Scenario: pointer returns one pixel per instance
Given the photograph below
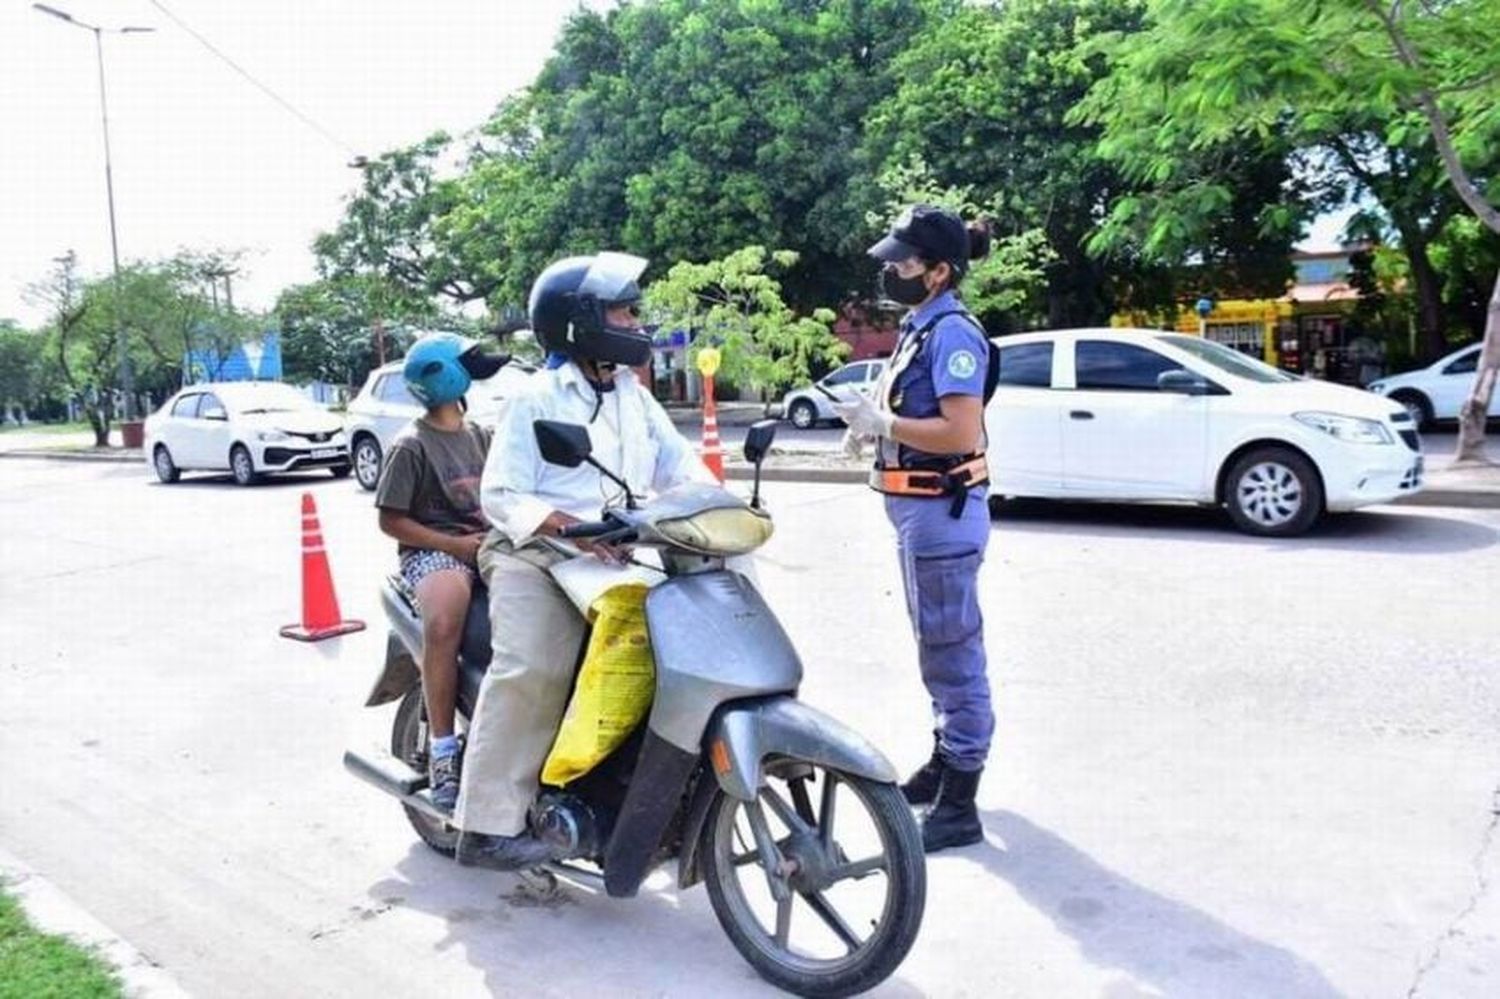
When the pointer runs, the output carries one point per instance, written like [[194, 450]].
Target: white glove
[[854, 444], [865, 419]]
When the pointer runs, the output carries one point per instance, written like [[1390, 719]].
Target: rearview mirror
[[1183, 382], [758, 441], [565, 444]]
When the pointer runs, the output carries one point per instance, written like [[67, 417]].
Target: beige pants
[[536, 634]]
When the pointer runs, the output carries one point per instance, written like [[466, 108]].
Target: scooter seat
[[474, 651]]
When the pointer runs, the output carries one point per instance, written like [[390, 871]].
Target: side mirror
[[1182, 382], [758, 441], [565, 444]]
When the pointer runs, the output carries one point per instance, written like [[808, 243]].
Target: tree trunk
[[1429, 292], [99, 421], [1477, 407]]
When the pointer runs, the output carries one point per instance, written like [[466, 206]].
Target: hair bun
[[979, 240]]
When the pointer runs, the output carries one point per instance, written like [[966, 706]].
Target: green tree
[[22, 370], [335, 330], [84, 339], [736, 304], [1325, 78]]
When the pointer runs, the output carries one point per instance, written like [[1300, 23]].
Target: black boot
[[502, 853], [953, 821], [922, 787]]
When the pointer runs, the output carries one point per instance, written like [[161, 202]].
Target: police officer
[[927, 422]]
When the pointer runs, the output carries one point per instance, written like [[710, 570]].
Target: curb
[[75, 456], [1466, 499], [51, 911]]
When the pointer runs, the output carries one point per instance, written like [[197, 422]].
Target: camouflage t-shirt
[[432, 476]]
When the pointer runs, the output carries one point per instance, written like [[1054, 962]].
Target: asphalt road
[[1224, 766]]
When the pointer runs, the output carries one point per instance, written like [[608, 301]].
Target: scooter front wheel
[[820, 882]]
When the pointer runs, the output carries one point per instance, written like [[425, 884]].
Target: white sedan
[[246, 429], [1437, 392], [1109, 414]]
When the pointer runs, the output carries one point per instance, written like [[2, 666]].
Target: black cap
[[926, 231]]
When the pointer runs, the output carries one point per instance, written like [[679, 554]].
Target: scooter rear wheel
[[845, 857], [409, 744]]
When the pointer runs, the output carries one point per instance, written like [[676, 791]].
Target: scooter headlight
[[727, 531]]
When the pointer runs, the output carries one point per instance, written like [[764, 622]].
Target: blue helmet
[[440, 367]]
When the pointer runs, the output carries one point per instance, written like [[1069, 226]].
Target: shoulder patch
[[962, 364]]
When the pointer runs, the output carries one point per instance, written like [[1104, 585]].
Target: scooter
[[812, 859]]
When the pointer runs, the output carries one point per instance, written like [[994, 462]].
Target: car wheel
[[1273, 492], [803, 414], [367, 461], [1417, 406], [166, 469], [242, 466]]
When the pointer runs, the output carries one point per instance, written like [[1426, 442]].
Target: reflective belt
[[954, 482]]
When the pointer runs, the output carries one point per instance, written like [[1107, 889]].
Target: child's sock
[[445, 746]]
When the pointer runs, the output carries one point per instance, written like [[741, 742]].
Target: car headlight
[[1351, 429], [1377, 387], [271, 435]]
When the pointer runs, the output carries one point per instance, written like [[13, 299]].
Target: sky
[[201, 158]]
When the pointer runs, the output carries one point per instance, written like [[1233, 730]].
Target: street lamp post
[[127, 375]]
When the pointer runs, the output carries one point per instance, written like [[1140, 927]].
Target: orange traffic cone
[[713, 454], [320, 606]]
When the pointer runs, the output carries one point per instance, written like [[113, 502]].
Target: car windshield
[[264, 397], [1227, 359]]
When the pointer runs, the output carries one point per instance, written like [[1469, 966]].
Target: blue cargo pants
[[940, 558]]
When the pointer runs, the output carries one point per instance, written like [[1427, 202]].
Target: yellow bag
[[614, 690]]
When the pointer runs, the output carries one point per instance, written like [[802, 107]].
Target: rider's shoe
[[954, 820], [922, 787], [443, 774], [502, 853]]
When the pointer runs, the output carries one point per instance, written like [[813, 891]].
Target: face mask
[[905, 290]]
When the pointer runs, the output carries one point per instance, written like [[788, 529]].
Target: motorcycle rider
[[428, 498], [585, 309]]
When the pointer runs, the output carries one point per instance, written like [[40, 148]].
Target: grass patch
[[34, 965]]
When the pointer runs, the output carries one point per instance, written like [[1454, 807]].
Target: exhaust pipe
[[396, 779]]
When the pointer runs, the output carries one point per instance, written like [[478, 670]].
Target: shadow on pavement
[[1375, 530], [575, 941], [223, 480], [1177, 950]]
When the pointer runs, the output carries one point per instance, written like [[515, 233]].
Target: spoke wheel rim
[[1270, 494], [243, 470], [812, 862], [163, 463]]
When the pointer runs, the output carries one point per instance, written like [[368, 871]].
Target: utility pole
[[127, 373]]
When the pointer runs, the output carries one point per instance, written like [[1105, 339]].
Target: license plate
[[326, 452]]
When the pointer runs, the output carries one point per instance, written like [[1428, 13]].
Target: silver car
[[806, 407], [384, 406]]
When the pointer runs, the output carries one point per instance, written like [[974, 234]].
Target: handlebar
[[587, 529]]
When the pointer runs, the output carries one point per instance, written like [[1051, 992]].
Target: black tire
[[1418, 405], [409, 744], [867, 962], [1273, 492], [366, 457], [803, 414], [167, 471], [242, 466], [340, 471]]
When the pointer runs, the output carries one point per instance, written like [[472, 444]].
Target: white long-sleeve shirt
[[632, 436]]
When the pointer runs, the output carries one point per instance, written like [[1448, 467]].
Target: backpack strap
[[992, 369]]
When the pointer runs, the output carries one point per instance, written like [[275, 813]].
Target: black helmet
[[568, 301]]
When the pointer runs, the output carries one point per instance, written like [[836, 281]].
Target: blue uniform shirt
[[951, 362]]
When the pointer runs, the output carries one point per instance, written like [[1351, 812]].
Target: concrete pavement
[[1225, 766]]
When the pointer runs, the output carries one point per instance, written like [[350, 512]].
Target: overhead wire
[[263, 88]]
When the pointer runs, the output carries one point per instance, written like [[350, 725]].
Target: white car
[[1436, 392], [384, 406], [245, 428], [805, 407], [1109, 414]]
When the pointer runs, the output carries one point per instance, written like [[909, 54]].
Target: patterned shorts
[[419, 564]]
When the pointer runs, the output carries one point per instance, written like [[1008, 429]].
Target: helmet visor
[[612, 277]]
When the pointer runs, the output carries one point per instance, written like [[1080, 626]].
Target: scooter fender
[[742, 735]]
